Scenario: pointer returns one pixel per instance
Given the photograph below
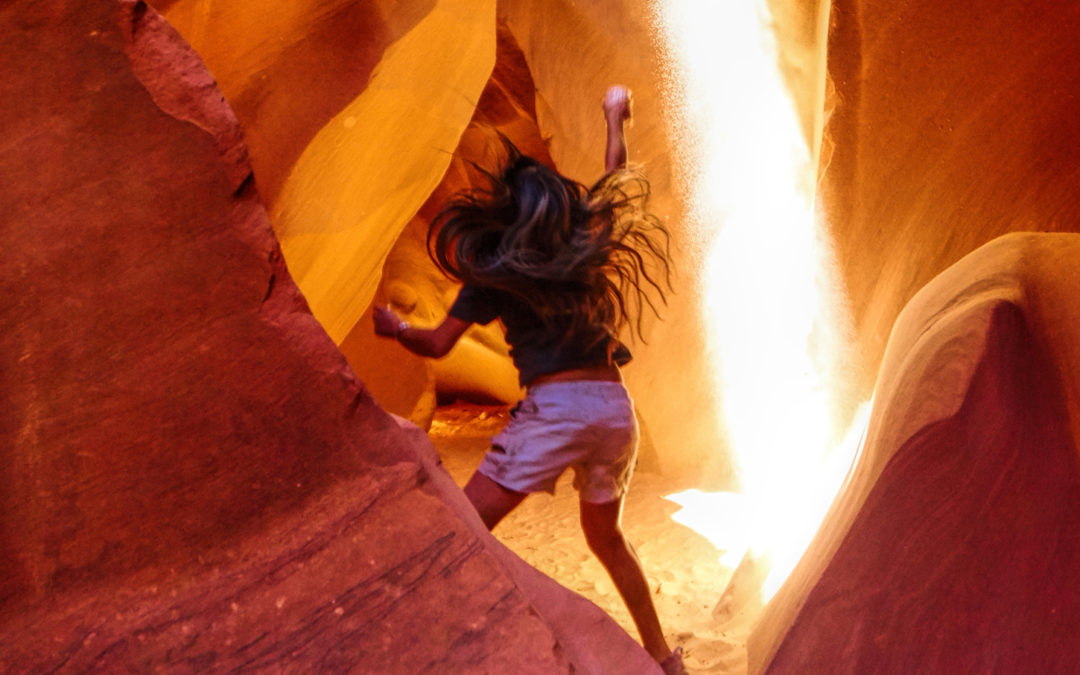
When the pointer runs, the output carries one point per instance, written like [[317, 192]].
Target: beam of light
[[775, 319]]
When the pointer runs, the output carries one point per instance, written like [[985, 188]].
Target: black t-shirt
[[535, 347]]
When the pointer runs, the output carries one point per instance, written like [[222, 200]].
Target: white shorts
[[588, 425]]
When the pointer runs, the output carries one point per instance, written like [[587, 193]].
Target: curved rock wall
[[350, 156], [954, 545], [160, 357], [950, 127], [191, 477], [920, 102], [352, 110], [479, 367]]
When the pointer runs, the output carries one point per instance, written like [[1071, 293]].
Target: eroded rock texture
[[193, 479], [352, 110], [949, 126], [955, 545]]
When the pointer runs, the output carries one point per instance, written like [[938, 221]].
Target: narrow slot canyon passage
[[859, 412]]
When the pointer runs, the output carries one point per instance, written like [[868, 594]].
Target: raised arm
[[616, 112], [430, 342]]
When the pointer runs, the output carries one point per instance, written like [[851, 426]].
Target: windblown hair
[[580, 257]]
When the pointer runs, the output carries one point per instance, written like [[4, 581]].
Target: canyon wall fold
[[955, 545], [354, 113], [192, 476], [949, 126], [352, 110]]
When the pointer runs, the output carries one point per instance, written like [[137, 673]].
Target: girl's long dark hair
[[579, 257]]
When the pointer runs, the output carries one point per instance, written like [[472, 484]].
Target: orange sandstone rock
[[950, 125], [955, 546], [193, 478], [352, 110]]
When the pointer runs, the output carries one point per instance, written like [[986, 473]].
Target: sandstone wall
[[193, 479], [348, 160], [352, 110], [479, 367], [954, 545], [950, 125], [948, 128], [919, 101]]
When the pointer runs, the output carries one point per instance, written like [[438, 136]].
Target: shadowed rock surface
[[193, 478], [955, 545]]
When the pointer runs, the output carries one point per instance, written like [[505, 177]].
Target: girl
[[564, 267]]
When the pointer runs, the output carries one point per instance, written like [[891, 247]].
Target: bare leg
[[491, 500], [603, 532]]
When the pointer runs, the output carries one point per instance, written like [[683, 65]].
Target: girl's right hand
[[617, 102]]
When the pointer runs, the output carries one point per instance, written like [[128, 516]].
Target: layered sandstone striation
[[479, 367], [193, 477], [352, 111]]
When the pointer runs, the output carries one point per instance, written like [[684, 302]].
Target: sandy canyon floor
[[684, 569]]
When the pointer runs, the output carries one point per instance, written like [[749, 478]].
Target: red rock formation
[[955, 545], [950, 126], [340, 195], [192, 476], [352, 109], [193, 479]]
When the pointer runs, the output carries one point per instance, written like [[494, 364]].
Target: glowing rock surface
[[353, 110], [185, 452], [366, 150]]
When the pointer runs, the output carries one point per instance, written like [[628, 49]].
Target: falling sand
[[684, 569]]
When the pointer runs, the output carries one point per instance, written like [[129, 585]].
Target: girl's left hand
[[386, 322]]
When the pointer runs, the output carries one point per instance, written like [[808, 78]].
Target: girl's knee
[[602, 528]]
